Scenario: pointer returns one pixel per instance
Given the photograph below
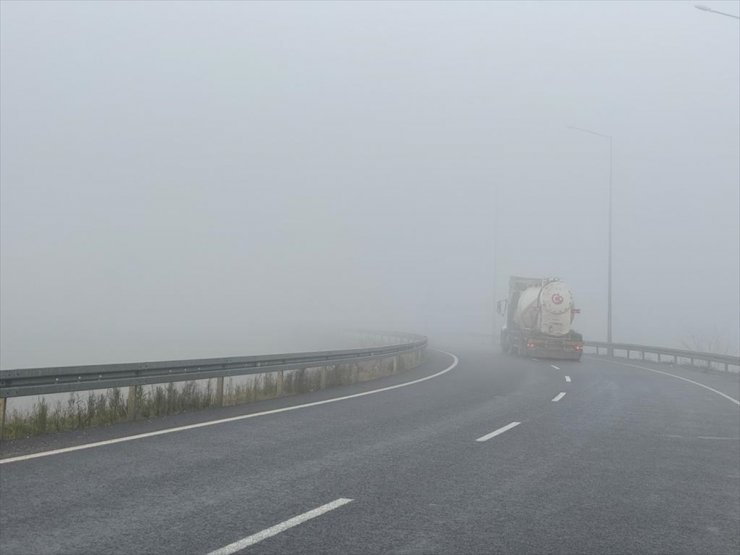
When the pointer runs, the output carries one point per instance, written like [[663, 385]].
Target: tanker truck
[[539, 313]]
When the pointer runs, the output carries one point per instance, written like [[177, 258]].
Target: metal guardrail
[[39, 381], [678, 355]]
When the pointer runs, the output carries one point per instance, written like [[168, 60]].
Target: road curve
[[498, 454]]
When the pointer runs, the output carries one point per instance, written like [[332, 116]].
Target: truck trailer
[[539, 313]]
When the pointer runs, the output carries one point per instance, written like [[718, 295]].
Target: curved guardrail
[[680, 356], [407, 352], [38, 381]]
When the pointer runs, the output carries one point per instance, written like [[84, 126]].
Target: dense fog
[[205, 179]]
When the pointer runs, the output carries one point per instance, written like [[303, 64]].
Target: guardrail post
[[220, 391], [2, 416], [279, 386], [131, 407], [322, 383]]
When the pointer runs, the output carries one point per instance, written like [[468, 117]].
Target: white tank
[[547, 308]]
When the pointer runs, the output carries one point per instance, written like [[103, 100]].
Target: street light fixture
[[609, 278], [706, 9]]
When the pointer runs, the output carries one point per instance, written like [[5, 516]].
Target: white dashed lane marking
[[499, 431], [278, 528]]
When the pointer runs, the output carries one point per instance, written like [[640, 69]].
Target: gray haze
[[179, 179]]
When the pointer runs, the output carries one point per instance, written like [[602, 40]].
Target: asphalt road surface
[[492, 454]]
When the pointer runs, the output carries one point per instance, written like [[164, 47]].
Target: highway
[[490, 454]]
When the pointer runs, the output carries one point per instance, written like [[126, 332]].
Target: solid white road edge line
[[677, 377], [556, 368], [225, 420], [499, 431], [558, 397], [567, 379], [278, 528]]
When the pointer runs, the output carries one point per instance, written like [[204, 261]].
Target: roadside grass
[[88, 409], [79, 411], [84, 410]]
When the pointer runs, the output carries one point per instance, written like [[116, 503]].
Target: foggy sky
[[180, 178]]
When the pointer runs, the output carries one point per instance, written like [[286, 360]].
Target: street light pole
[[496, 259], [609, 279], [710, 10], [609, 250]]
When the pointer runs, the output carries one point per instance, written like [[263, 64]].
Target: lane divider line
[[674, 436], [499, 431], [556, 367], [19, 458], [678, 378], [567, 379], [278, 528], [558, 397]]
